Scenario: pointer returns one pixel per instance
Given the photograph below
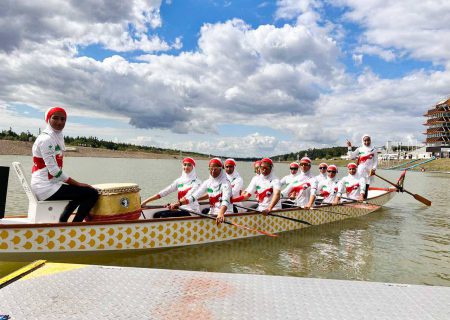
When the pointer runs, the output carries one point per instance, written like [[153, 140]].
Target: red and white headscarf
[[230, 162], [323, 164], [257, 163], [306, 160], [332, 168], [57, 135], [267, 160], [189, 160], [186, 177], [52, 110], [352, 165], [216, 161], [293, 165]]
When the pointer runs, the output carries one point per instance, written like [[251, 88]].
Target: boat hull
[[170, 232]]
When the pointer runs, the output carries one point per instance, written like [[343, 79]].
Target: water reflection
[[337, 250]]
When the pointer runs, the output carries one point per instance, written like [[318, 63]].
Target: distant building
[[438, 129]]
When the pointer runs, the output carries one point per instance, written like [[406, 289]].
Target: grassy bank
[[9, 147]]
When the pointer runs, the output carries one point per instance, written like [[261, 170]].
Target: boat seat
[[39, 211]]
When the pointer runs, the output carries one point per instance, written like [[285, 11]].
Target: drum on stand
[[117, 201]]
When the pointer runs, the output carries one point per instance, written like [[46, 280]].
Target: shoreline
[[22, 148]]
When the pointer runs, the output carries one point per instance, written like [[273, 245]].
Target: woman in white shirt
[[48, 181]]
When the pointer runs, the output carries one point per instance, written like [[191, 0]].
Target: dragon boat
[[40, 231]]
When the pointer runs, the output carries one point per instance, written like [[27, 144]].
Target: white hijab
[[186, 177], [363, 146], [220, 178], [232, 176], [56, 135]]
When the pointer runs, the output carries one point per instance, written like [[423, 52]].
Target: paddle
[[362, 202], [425, 201], [316, 208], [233, 224], [277, 215]]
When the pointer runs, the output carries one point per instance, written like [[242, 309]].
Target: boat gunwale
[[139, 221]]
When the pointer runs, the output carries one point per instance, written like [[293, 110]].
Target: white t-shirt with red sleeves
[[264, 187]]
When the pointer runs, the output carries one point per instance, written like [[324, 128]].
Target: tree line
[[93, 142]]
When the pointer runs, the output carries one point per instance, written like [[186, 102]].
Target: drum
[[117, 201]]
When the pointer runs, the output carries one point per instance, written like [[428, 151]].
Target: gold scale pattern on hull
[[147, 234]]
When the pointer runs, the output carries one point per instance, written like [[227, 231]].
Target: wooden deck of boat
[[67, 291]]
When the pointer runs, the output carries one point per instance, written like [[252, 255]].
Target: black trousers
[[83, 198], [171, 213]]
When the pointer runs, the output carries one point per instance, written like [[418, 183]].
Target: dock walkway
[[66, 291]]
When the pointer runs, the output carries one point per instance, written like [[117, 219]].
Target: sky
[[232, 78]]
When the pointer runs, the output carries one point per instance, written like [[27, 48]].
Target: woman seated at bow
[[48, 181]]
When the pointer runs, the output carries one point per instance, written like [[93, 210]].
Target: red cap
[[305, 160], [216, 161], [267, 160], [230, 162], [293, 165], [332, 167], [323, 164], [352, 165], [52, 110], [189, 160]]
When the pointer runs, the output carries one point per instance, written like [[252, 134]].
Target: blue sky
[[232, 78]]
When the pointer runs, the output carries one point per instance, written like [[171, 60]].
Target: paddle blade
[[422, 199], [401, 179]]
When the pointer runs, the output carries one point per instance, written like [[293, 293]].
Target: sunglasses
[[322, 168], [214, 168], [229, 166], [351, 168], [331, 171], [293, 168]]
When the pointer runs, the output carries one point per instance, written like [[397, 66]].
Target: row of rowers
[[224, 188]]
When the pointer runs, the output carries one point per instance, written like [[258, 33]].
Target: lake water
[[404, 242]]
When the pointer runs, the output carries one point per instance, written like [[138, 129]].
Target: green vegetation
[[11, 135], [442, 164], [94, 142]]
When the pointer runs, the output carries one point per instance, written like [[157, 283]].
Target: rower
[[352, 185], [235, 179], [286, 180], [218, 190], [48, 181], [367, 160], [267, 188], [184, 185], [256, 167], [328, 189], [300, 189], [322, 176]]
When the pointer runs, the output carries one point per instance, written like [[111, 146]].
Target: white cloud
[[386, 55], [286, 78], [420, 29], [269, 70], [255, 144], [116, 25]]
